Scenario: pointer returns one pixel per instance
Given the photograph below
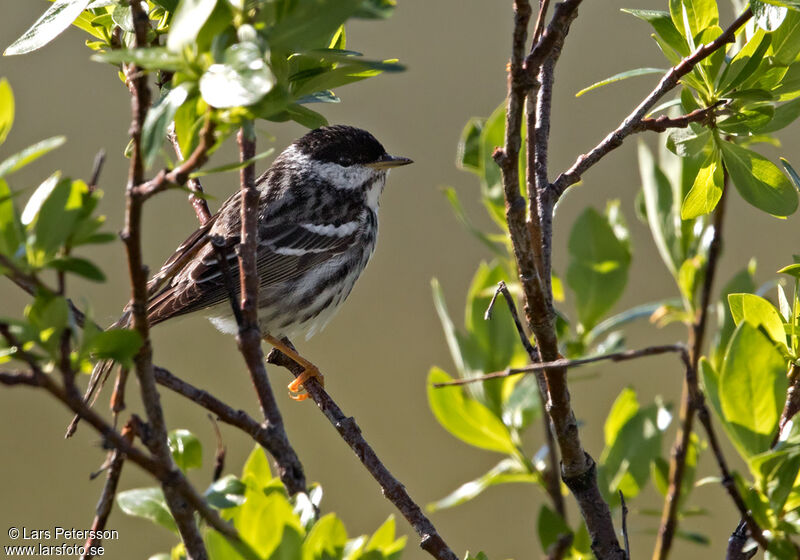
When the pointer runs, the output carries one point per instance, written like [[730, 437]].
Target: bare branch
[[393, 490], [623, 356], [106, 501], [669, 515], [628, 126], [182, 512], [249, 335], [663, 123]]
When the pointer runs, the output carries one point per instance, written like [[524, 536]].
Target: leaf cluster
[[271, 524]]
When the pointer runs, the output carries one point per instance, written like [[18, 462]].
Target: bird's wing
[[285, 252]]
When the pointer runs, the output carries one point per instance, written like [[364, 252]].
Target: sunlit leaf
[[56, 19], [621, 76], [29, 154], [148, 503]]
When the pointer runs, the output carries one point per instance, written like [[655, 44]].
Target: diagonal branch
[[629, 125], [393, 490]]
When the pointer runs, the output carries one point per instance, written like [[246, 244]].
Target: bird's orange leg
[[309, 369]]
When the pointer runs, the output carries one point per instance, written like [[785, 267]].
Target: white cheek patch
[[346, 178]]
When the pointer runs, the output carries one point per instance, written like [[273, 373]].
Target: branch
[[393, 490], [669, 515], [564, 363], [178, 176], [249, 335], [628, 126], [106, 501], [550, 475], [196, 197], [578, 468], [267, 435], [182, 512], [663, 123]]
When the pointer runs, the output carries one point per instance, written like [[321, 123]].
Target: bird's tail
[[100, 373]]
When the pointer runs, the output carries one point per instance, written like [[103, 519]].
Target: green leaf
[[624, 408], [550, 526], [6, 109], [506, 471], [752, 387], [56, 19], [625, 461], [598, 267], [658, 199], [187, 21], [523, 405], [784, 115], [53, 212], [243, 79], [462, 349], [309, 22], [621, 76], [492, 192], [467, 419], [120, 345], [706, 190], [697, 14], [158, 119], [326, 540], [186, 449], [79, 266], [757, 311], [256, 468], [11, 231], [226, 492], [744, 64], [29, 154], [767, 16], [306, 117], [376, 9], [469, 157], [662, 24], [785, 45], [452, 197], [743, 281], [234, 166], [149, 58], [148, 503], [791, 270], [759, 181]]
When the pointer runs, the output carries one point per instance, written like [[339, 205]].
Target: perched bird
[[317, 229]]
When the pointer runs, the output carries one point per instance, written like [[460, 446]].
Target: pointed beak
[[387, 162]]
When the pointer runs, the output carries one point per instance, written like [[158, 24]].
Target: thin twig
[[550, 475], [97, 167], [622, 356], [196, 197], [628, 126], [669, 515], [106, 501], [625, 525], [664, 122], [393, 490]]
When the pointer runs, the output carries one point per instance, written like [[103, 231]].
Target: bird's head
[[348, 158]]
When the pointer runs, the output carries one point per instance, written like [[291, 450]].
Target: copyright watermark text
[[54, 541]]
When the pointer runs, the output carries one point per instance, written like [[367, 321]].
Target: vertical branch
[[578, 469], [249, 336], [669, 515], [131, 236]]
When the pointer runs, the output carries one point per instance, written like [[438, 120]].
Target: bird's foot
[[296, 389]]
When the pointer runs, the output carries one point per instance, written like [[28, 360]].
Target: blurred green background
[[377, 352]]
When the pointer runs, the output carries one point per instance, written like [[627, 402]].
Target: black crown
[[345, 145]]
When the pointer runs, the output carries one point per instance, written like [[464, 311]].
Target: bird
[[317, 229]]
